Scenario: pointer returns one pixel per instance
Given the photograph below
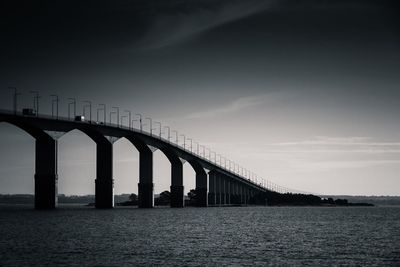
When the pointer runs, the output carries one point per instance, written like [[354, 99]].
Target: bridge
[[216, 183]]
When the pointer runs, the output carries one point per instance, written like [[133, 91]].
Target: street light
[[215, 156], [151, 125], [117, 109], [197, 147], [129, 118], [89, 104], [204, 151], [224, 162], [140, 121], [55, 100], [219, 159], [159, 123], [176, 137], [111, 113], [184, 141], [122, 120], [191, 143], [103, 108], [74, 104], [169, 133], [36, 102], [16, 94]]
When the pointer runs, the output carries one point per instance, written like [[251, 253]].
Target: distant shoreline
[[122, 200]]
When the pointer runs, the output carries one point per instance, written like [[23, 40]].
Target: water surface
[[308, 236]]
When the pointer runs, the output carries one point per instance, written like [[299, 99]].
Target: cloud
[[171, 28], [235, 106], [337, 141]]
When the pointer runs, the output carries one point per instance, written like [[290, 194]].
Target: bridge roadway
[[215, 185]]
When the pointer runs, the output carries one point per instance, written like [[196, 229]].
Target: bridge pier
[[201, 189], [104, 189], [177, 189], [145, 186], [46, 177], [211, 185]]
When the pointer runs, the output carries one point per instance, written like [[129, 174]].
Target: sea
[[76, 235]]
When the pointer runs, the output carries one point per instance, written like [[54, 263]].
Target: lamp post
[[215, 156], [219, 159], [159, 123], [15, 96], [197, 147], [103, 108], [89, 105], [74, 104], [117, 109], [129, 118], [111, 113], [204, 150], [169, 133], [122, 120], [55, 100], [151, 125], [209, 153], [184, 141], [176, 137], [140, 121], [36, 102], [191, 144]]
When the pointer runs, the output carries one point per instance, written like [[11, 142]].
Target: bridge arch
[[104, 183], [145, 185], [201, 183], [46, 176]]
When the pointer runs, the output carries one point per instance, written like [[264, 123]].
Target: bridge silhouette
[[216, 183]]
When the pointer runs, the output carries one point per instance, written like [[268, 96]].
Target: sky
[[304, 93]]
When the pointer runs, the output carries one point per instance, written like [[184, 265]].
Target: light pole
[[229, 164], [151, 125], [122, 120], [140, 121], [176, 137], [169, 133], [15, 96], [117, 109], [55, 100], [204, 151], [215, 156], [111, 113], [159, 123], [36, 102], [89, 105], [184, 141], [129, 118], [191, 144], [197, 147], [220, 163], [74, 104], [103, 108]]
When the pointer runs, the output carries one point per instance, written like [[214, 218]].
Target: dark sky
[[305, 93]]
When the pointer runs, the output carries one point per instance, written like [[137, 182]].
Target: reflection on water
[[76, 236]]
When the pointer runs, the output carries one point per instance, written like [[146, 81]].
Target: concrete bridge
[[215, 184]]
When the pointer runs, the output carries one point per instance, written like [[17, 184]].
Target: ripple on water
[[201, 236]]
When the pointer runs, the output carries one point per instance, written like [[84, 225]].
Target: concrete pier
[[146, 188], [177, 189], [201, 188], [46, 177], [104, 189]]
